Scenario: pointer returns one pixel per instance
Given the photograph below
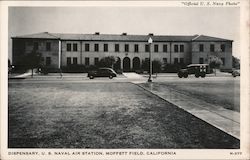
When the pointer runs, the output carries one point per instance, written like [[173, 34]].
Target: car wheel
[[203, 75], [197, 75], [180, 75], [91, 77], [185, 75], [110, 77]]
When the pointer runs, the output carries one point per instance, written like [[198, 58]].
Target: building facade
[[60, 50]]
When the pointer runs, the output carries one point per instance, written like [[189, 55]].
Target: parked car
[[236, 73], [102, 72], [199, 70]]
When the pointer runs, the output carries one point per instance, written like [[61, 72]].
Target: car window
[[100, 71], [103, 71]]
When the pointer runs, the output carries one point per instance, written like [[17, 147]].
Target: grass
[[103, 115], [225, 93]]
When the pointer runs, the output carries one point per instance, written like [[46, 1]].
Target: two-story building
[[60, 50]]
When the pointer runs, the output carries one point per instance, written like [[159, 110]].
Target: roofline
[[195, 37], [34, 38], [57, 37], [119, 40], [213, 40], [98, 40]]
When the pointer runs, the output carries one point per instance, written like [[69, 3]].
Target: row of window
[[177, 48], [222, 47], [73, 60], [48, 46], [176, 60], [201, 61]]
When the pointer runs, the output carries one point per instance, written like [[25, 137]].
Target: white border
[[180, 153]]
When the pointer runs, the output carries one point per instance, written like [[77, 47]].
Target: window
[[74, 60], [222, 47], [87, 47], [96, 47], [136, 48], [68, 60], [165, 60], [87, 61], [105, 47], [181, 48], [175, 60], [181, 60], [74, 46], [126, 48], [201, 48], [96, 61], [146, 48], [156, 47], [211, 47], [201, 60], [68, 47], [35, 46], [117, 48], [165, 48], [223, 61], [48, 46], [48, 61], [176, 48]]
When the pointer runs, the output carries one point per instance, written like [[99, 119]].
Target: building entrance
[[126, 64], [136, 63]]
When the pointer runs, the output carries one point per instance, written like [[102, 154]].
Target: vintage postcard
[[125, 80]]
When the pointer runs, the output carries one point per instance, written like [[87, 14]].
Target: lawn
[[103, 115], [225, 93]]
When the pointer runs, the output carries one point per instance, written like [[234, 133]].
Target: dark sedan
[[102, 72]]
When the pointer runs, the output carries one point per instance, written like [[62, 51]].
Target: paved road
[[127, 77]]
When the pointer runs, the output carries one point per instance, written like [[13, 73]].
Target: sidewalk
[[218, 74], [224, 119], [55, 76]]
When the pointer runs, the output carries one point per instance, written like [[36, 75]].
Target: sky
[[218, 22]]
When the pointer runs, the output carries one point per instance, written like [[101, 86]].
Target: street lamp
[[150, 41]]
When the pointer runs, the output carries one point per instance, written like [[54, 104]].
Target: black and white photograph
[[144, 79]]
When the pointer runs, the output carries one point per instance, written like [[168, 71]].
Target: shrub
[[74, 69], [172, 68]]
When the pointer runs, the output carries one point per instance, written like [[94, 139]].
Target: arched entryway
[[136, 63], [126, 64], [117, 65]]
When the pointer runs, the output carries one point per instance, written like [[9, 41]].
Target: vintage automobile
[[102, 72], [236, 73], [199, 70]]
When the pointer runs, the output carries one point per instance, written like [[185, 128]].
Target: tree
[[236, 62], [215, 63], [107, 62], [145, 65], [156, 66], [9, 63], [33, 60], [9, 66]]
